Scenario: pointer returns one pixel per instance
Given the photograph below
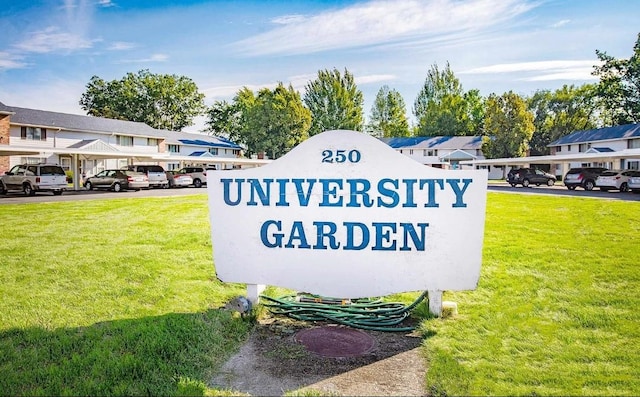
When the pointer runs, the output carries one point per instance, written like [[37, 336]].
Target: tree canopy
[[443, 108], [619, 86], [161, 101], [335, 102], [560, 113], [508, 126], [273, 121], [388, 114]]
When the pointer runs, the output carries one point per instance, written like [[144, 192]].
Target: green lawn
[[556, 309], [119, 297]]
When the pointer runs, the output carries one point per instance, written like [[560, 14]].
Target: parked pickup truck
[[32, 178]]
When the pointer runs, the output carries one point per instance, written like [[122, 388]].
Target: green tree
[[335, 102], [508, 126], [619, 86], [560, 113], [388, 114], [223, 119], [443, 108], [160, 100], [272, 122]]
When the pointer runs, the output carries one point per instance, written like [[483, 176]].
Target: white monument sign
[[344, 215]]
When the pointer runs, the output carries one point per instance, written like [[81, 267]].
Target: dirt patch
[[272, 362]]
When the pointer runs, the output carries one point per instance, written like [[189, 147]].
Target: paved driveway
[[557, 190], [19, 198]]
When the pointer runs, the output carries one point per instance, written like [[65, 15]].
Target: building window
[[173, 166], [33, 133], [633, 144], [411, 152], [65, 163], [152, 142], [124, 140], [583, 147], [214, 151], [568, 148], [558, 149], [633, 165], [33, 160], [173, 148]]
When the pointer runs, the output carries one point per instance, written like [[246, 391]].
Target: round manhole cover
[[335, 341]]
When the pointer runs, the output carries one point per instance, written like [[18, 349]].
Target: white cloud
[[531, 66], [560, 23], [106, 3], [543, 70], [67, 93], [10, 61], [121, 45], [378, 22], [569, 74], [52, 39], [288, 19], [152, 58], [374, 78]]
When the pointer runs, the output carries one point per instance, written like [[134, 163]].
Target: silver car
[[117, 180], [634, 181], [614, 179]]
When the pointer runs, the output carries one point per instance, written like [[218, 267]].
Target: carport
[[209, 159], [562, 159]]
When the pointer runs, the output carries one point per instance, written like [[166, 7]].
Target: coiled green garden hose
[[369, 314]]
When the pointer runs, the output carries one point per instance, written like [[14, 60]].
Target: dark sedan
[[117, 180], [529, 176]]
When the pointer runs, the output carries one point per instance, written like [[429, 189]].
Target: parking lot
[[557, 190]]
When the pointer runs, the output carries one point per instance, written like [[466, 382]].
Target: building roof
[[600, 134], [435, 142], [75, 122]]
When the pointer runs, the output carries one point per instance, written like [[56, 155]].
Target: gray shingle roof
[[74, 122], [600, 134], [436, 142]]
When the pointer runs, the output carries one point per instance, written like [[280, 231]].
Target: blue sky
[[49, 50]]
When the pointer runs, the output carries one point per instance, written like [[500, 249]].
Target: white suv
[[198, 174], [32, 178]]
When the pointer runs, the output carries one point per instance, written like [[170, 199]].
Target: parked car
[[32, 178], [178, 180], [198, 174], [528, 176], [614, 179], [584, 177], [117, 180], [634, 181], [155, 174]]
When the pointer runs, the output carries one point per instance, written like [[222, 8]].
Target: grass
[[556, 309], [114, 297], [119, 297]]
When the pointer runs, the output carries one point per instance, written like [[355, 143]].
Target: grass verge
[[114, 297], [556, 309], [119, 297]]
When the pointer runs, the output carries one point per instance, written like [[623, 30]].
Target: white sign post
[[344, 215]]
